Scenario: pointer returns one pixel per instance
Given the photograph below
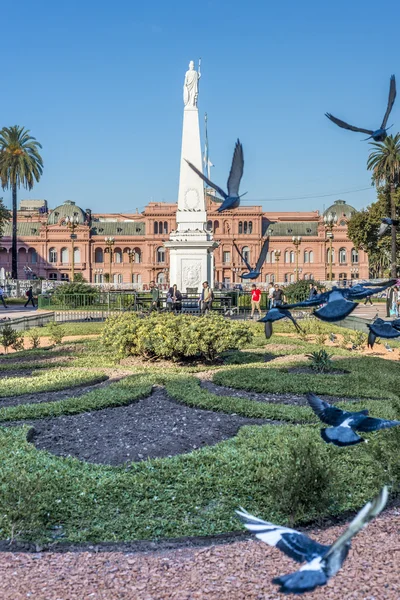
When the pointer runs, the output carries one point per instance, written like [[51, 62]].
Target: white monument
[[191, 245]]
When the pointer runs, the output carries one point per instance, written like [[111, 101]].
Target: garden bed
[[152, 427]]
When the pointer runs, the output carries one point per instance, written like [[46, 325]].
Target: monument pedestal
[[191, 245]]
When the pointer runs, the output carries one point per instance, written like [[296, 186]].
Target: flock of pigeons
[[322, 562]]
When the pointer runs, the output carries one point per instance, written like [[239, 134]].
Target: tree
[[20, 164], [384, 162], [4, 217], [363, 227]]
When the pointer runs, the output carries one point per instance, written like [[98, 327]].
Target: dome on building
[[68, 209], [340, 209]]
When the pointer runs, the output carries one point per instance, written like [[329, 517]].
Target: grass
[[196, 493], [70, 329], [48, 381]]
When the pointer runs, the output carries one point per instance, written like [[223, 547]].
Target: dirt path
[[238, 571]]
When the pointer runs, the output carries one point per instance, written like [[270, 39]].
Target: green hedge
[[49, 381]]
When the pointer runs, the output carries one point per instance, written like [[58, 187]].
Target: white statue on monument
[[191, 85]]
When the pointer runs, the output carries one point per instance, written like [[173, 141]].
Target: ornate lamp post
[[131, 257], [329, 223], [109, 248], [277, 254], [72, 224], [296, 239]]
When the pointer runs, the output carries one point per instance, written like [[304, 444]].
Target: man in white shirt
[[270, 295]]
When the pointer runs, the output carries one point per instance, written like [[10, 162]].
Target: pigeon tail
[[268, 329], [340, 436], [302, 581], [371, 339]]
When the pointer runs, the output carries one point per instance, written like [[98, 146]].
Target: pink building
[[138, 254]]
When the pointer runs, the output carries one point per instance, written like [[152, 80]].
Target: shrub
[[55, 332], [74, 295], [359, 339], [320, 361], [299, 291], [302, 484], [10, 337], [34, 337], [346, 339], [174, 337]]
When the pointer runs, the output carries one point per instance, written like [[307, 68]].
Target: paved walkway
[[16, 312]]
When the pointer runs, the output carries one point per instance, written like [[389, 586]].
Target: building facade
[[129, 248]]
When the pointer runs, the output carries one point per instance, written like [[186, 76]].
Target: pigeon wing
[[242, 257], [372, 424], [391, 99], [208, 181], [335, 311], [263, 255], [386, 284], [366, 514], [236, 172], [331, 415], [294, 544], [347, 126]]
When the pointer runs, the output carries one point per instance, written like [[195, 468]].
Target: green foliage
[[321, 361], [34, 338], [303, 482], [359, 339], [300, 290], [55, 332], [174, 337], [346, 338], [9, 337], [4, 216], [74, 295], [79, 278], [48, 381]]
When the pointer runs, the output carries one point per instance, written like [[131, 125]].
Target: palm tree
[[384, 162], [20, 164]]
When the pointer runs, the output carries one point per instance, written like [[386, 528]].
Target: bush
[[174, 337], [10, 337], [299, 291], [34, 337], [74, 295], [359, 339], [302, 481], [55, 332], [320, 361]]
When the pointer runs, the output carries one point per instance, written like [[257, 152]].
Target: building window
[[136, 278], [292, 256], [354, 256], [328, 260], [311, 255], [161, 278], [52, 255], [240, 227], [64, 277], [245, 227], [117, 256], [137, 255], [289, 277], [270, 278], [342, 256], [246, 253], [117, 278], [32, 254], [64, 256], [250, 226], [287, 256], [226, 256], [98, 277], [77, 255], [342, 223], [342, 276], [155, 227], [209, 225], [216, 226], [160, 254], [306, 256], [98, 255], [165, 229], [53, 276]]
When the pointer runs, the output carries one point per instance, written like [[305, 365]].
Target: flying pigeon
[[385, 225], [345, 423], [275, 314], [380, 134], [232, 198], [362, 290], [336, 307], [382, 329], [256, 272], [322, 561]]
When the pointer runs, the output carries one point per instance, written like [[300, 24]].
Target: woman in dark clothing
[[176, 298]]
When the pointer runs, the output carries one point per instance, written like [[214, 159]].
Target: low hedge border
[[52, 380]]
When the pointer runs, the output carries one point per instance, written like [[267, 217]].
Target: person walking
[[271, 295], [255, 300], [368, 299], [313, 292], [277, 296], [176, 298], [155, 296], [2, 297], [206, 298], [29, 294]]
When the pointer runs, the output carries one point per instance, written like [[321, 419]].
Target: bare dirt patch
[[148, 428]]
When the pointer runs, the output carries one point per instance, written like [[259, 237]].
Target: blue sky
[[99, 84]]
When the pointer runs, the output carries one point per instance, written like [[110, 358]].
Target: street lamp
[[277, 254], [131, 257], [109, 248], [72, 224], [296, 239], [329, 223]]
